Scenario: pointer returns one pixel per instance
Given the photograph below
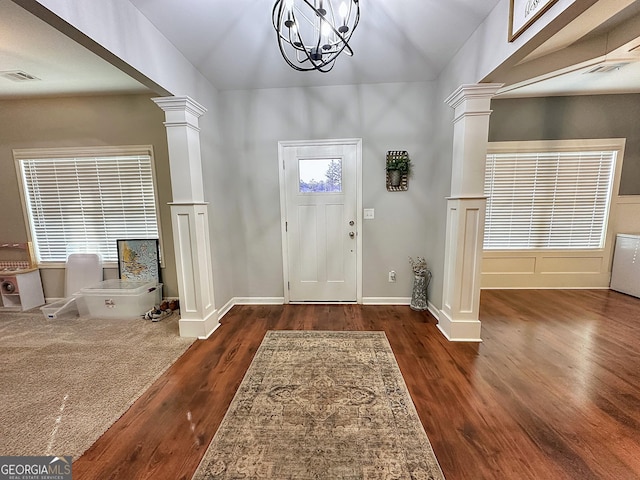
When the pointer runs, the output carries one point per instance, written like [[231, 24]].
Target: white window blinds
[[87, 203], [548, 200]]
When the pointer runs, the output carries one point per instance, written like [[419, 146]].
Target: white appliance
[[625, 273], [81, 270]]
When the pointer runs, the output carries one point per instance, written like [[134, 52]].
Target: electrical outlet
[[392, 276]]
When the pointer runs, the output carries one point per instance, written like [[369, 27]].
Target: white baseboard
[[201, 328], [259, 301], [433, 310], [386, 300], [545, 288], [459, 330], [248, 301], [222, 311]]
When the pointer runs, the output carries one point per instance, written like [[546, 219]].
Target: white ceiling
[[233, 44]]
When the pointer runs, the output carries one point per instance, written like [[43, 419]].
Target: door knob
[[352, 223], [352, 234]]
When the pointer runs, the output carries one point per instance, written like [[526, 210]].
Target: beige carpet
[[321, 406], [65, 382]]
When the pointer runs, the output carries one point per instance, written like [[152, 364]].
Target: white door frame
[[357, 142]]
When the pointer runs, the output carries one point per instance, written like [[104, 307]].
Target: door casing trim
[[357, 142]]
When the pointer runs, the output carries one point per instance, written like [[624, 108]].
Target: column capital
[[180, 111], [186, 104], [478, 91], [182, 116]]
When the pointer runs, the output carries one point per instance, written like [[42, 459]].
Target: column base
[[459, 330], [200, 328]]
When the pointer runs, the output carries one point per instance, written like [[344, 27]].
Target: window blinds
[[86, 204], [549, 200]]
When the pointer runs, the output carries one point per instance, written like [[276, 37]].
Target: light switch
[[369, 213]]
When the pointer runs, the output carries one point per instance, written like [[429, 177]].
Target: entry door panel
[[320, 184]]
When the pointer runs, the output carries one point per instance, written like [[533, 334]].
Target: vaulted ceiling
[[233, 44]]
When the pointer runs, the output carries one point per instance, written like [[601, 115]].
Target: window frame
[[87, 152], [559, 146]]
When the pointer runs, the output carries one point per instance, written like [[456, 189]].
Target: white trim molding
[[259, 301], [201, 329], [459, 331], [248, 301], [386, 300]]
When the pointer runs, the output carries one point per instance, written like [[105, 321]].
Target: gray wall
[[221, 193], [386, 117], [556, 118], [75, 122]]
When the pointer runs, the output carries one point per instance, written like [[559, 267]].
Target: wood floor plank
[[552, 392]]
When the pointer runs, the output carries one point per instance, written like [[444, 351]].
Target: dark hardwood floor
[[553, 392]]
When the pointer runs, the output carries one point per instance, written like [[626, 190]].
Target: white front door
[[320, 221]]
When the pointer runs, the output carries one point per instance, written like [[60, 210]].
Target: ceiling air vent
[[18, 76], [607, 67]]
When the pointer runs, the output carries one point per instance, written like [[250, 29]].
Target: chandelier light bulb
[[343, 10], [326, 30], [313, 33]]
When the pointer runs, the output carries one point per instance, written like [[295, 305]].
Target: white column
[[459, 316], [189, 217]]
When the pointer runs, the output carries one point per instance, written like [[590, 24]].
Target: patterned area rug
[[321, 406], [64, 382]]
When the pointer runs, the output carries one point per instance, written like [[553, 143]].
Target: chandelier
[[312, 33]]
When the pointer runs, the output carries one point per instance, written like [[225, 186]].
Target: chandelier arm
[[289, 39], [331, 24], [302, 14], [341, 37]]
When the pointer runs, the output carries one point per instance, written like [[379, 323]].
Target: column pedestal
[[463, 257], [198, 316]]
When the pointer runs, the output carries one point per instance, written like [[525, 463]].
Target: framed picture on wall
[[523, 13], [139, 259]]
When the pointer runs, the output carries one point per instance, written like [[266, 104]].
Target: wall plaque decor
[[523, 13], [398, 170]]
